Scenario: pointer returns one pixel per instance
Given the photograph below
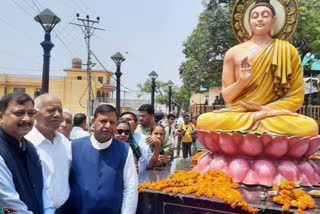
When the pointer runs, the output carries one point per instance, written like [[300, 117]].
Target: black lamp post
[[153, 76], [48, 21], [118, 59], [170, 85]]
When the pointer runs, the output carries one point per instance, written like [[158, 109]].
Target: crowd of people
[[52, 162]]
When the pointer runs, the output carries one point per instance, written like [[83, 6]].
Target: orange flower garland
[[290, 196], [314, 157], [196, 157], [213, 183]]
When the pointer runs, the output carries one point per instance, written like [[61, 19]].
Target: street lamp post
[[170, 85], [48, 21], [118, 59], [153, 76]]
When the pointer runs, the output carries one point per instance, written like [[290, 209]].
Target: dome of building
[[76, 63]]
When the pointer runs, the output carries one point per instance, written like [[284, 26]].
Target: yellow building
[[71, 88], [205, 95]]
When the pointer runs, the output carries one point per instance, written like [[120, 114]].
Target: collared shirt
[[130, 178], [55, 160], [78, 132], [142, 130], [9, 197]]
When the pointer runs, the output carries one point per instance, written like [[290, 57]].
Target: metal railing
[[312, 111], [103, 99]]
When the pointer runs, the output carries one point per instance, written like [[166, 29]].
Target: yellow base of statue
[[282, 125]]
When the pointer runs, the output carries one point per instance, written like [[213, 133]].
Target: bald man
[[52, 147]]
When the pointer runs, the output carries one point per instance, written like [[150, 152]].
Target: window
[[19, 90], [100, 79], [79, 77]]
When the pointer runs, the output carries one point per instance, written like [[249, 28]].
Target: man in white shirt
[[52, 147], [79, 126], [103, 176]]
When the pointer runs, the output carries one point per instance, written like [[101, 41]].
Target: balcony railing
[[312, 111], [103, 99]]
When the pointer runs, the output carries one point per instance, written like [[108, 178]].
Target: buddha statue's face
[[261, 21]]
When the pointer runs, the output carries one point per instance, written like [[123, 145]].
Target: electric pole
[[88, 29]]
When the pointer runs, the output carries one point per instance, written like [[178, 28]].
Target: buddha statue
[[260, 139], [262, 80]]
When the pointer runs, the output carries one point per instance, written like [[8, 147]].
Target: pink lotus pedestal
[[260, 160]]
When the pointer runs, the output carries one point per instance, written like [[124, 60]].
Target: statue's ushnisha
[[263, 81]]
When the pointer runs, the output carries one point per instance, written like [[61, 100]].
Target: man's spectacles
[[125, 131]]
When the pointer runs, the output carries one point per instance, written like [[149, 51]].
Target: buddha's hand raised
[[245, 74]]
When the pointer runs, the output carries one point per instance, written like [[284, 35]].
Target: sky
[[148, 33]]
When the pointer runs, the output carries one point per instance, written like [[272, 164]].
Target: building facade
[[71, 88]]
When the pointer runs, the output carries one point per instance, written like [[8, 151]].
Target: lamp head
[[153, 75], [118, 58], [47, 19], [170, 83]]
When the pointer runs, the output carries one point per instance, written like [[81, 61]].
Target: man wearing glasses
[[22, 185]]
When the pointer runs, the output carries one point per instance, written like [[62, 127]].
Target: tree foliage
[[204, 49], [180, 95], [307, 36]]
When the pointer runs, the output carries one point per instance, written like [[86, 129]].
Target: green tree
[[180, 95], [204, 49], [307, 36]]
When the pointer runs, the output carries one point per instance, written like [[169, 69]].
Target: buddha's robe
[[277, 83]]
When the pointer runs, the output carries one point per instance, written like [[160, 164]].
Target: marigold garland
[[291, 196], [213, 183], [314, 157], [196, 157]]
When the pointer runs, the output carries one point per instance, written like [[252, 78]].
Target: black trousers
[[186, 149], [179, 146]]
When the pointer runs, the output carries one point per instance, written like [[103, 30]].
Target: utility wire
[[22, 8], [28, 3], [112, 76], [34, 3]]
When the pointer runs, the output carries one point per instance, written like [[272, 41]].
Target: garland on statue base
[[213, 183]]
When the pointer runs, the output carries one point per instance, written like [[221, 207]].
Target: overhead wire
[[34, 3], [112, 76]]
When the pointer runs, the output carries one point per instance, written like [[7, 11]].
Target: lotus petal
[[251, 146], [227, 145], [299, 148], [289, 170], [278, 147], [314, 145], [238, 169]]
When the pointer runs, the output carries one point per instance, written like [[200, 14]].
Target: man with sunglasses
[[103, 176], [22, 186]]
